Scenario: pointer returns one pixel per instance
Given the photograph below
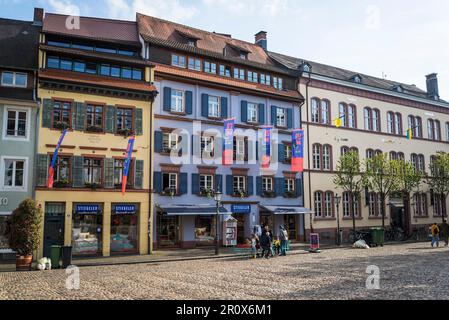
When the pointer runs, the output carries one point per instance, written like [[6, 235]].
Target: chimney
[[261, 39], [432, 86], [38, 17]]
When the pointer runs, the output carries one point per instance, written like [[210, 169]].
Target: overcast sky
[[402, 39]]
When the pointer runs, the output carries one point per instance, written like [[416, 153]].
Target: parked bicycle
[[394, 234], [358, 235]]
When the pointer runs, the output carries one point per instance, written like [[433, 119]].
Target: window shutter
[[257, 151], [138, 174], [366, 196], [196, 145], [184, 143], [218, 147], [195, 183], [158, 141], [258, 186], [251, 152], [281, 154], [77, 172], [183, 183], [250, 188], [47, 113], [273, 115], [109, 173], [189, 102], [167, 99], [138, 122], [157, 182], [261, 113], [41, 170], [298, 188], [204, 105], [279, 187], [79, 119], [290, 118], [110, 119], [229, 185], [244, 111], [218, 182], [224, 107], [432, 198]]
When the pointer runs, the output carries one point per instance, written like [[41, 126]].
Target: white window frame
[[327, 205], [281, 117], [318, 204], [5, 123], [288, 152], [267, 184], [206, 182], [178, 64], [253, 112], [214, 106], [290, 185], [172, 178], [172, 137], [241, 183], [14, 77], [207, 145], [23, 188], [179, 100], [240, 148]]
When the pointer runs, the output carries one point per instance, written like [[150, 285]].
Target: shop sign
[[241, 208], [124, 209], [87, 209]]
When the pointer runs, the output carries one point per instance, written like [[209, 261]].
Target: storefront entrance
[[240, 227], [205, 230], [267, 219], [291, 225], [53, 226], [87, 230], [124, 228], [168, 230]]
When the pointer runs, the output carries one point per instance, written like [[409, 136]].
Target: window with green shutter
[[77, 172], [109, 173], [79, 117], [41, 170], [110, 119], [47, 113], [138, 174]]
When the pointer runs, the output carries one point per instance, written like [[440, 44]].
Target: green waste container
[[55, 256], [377, 237]]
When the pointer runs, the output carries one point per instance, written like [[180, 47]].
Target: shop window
[[94, 118], [204, 230], [124, 228], [4, 243], [87, 229], [62, 115]]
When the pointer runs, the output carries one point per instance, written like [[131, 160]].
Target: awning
[[286, 209], [396, 203], [190, 210]]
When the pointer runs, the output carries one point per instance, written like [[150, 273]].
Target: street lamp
[[337, 199], [217, 198]]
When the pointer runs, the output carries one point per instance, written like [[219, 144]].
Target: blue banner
[[241, 208]]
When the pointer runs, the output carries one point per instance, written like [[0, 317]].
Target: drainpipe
[[36, 135], [308, 148], [150, 192]]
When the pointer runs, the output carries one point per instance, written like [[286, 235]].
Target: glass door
[[240, 227], [168, 230], [290, 225]]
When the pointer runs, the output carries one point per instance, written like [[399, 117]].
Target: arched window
[[369, 153], [327, 157], [325, 112], [347, 114], [328, 204], [316, 154], [430, 129], [320, 111], [372, 119], [318, 204], [349, 206], [390, 122], [315, 110], [322, 157], [398, 123], [393, 155]]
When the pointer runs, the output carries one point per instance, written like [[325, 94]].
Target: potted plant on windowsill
[[61, 184], [125, 132], [60, 125], [241, 193], [171, 192], [23, 231], [207, 192], [290, 194], [268, 194], [94, 129], [93, 186]]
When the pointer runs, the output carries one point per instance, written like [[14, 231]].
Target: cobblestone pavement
[[407, 271]]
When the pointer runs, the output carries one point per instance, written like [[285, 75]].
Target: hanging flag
[[228, 142], [266, 145], [54, 159], [298, 150], [129, 154], [409, 134]]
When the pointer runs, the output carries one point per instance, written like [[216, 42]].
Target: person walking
[[283, 237], [435, 230], [266, 243], [444, 232], [254, 246]]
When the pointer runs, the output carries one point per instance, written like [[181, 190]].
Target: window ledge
[[178, 113], [350, 218], [324, 219]]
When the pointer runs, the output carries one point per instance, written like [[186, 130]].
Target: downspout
[[36, 135], [150, 192], [308, 148], [298, 83]]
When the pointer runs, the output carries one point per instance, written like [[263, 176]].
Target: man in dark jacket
[[444, 232], [266, 242]]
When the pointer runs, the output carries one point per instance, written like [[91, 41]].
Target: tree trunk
[[443, 207], [353, 210], [407, 214], [383, 210]]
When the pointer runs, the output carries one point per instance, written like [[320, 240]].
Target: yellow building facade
[[85, 208]]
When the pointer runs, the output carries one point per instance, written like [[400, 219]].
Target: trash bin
[[66, 256], [55, 256], [377, 237]]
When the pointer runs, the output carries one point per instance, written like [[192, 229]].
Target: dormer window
[[398, 88], [243, 55], [191, 42], [306, 67], [357, 78]]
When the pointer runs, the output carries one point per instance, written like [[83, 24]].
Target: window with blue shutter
[[158, 135], [290, 118], [183, 183], [224, 107], [273, 115], [298, 188], [157, 182], [281, 153], [259, 186], [250, 188], [189, 102], [229, 185], [261, 113], [195, 183], [244, 111], [205, 105], [167, 99], [219, 183], [47, 113]]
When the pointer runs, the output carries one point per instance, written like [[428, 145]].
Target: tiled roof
[[346, 75], [93, 28], [99, 81], [18, 44], [98, 55], [193, 75], [166, 33]]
